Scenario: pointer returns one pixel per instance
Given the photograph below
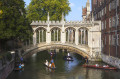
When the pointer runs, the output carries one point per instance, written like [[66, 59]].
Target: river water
[[35, 69]]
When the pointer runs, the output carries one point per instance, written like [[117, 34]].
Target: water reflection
[[35, 69]]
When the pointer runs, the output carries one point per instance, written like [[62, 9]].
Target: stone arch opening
[[55, 34], [39, 27], [83, 36], [70, 34], [40, 35], [55, 28]]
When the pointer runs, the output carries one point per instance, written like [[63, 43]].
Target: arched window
[[83, 36], [55, 34], [41, 35], [70, 35]]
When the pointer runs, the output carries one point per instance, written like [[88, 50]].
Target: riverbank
[[7, 60], [6, 64]]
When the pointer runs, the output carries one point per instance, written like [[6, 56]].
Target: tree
[[38, 9], [1, 12], [13, 21]]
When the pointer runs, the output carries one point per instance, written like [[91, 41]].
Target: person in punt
[[46, 63], [68, 58], [52, 63], [51, 54], [86, 60], [22, 65], [96, 65], [105, 66], [49, 65], [21, 59], [68, 54]]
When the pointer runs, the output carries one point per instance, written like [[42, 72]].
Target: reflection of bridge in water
[[83, 37]]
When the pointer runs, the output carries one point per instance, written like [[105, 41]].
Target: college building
[[108, 11]]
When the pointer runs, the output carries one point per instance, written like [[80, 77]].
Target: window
[[110, 22], [117, 20], [102, 25], [105, 40], [113, 39], [95, 16], [117, 2], [102, 44], [110, 7], [113, 21], [109, 39], [100, 3], [105, 24], [98, 14], [118, 39], [105, 10], [114, 4], [102, 12]]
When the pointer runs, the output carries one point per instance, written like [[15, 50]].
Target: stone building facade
[[108, 11], [86, 11]]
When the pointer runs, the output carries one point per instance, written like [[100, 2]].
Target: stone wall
[[7, 64], [111, 60], [6, 67], [6, 70]]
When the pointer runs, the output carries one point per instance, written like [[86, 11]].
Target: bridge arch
[[71, 47]]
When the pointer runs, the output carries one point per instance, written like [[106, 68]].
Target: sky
[[76, 9]]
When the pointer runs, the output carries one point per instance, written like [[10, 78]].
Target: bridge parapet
[[78, 22], [60, 22], [45, 22]]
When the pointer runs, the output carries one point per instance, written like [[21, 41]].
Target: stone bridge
[[83, 37]]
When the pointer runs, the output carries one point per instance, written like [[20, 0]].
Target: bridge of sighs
[[84, 37]]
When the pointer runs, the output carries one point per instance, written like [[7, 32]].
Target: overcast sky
[[76, 9]]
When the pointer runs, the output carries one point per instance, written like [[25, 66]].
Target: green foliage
[[38, 9], [9, 57], [2, 55], [13, 21]]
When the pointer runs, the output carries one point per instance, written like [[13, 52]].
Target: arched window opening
[[41, 35], [55, 35], [70, 35], [83, 36]]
